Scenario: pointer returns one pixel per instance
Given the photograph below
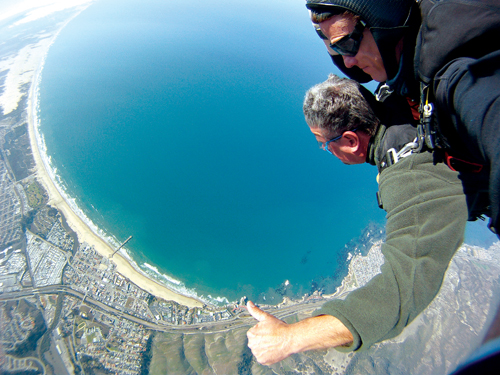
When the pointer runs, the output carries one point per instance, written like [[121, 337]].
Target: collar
[[404, 83], [372, 156]]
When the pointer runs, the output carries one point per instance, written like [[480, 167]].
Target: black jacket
[[467, 99]]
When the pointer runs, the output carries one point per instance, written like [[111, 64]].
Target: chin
[[379, 77], [355, 161]]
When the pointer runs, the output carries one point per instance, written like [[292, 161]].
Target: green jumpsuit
[[426, 216]]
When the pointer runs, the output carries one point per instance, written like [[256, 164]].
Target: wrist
[[298, 337]]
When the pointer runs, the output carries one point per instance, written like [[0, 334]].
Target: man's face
[[368, 57]]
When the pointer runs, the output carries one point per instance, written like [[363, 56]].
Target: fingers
[[267, 340], [261, 348], [257, 313]]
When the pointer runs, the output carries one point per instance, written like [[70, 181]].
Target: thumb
[[257, 313]]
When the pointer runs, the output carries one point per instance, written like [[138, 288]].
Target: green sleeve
[[426, 217]]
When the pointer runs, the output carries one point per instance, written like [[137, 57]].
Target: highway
[[239, 321]]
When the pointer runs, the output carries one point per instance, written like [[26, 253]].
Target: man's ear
[[350, 139]]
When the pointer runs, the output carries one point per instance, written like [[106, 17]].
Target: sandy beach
[[26, 67]]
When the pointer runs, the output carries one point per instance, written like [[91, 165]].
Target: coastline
[[56, 199]]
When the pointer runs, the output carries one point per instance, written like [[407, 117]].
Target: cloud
[[37, 9]]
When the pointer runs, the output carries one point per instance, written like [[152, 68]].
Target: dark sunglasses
[[349, 44]]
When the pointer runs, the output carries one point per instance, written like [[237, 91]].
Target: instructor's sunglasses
[[349, 44]]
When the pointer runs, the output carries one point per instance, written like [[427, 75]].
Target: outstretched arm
[[272, 340]]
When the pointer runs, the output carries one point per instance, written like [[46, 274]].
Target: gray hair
[[338, 105]]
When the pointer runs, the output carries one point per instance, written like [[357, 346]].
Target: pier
[[123, 244]]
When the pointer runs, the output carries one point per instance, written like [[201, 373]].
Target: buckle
[[383, 92]]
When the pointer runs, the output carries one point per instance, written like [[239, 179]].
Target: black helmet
[[388, 20]]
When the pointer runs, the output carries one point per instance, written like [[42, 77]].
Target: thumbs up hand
[[270, 339]]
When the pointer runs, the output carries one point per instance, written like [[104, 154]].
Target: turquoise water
[[181, 124]]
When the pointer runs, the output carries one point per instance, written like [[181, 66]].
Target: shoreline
[[74, 221]]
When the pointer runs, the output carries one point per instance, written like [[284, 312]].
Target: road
[[239, 321]]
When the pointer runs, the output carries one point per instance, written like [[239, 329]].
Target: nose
[[350, 61]]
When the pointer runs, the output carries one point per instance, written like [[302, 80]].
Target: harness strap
[[433, 140], [459, 165]]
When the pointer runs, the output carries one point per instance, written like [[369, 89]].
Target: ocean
[[181, 124]]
